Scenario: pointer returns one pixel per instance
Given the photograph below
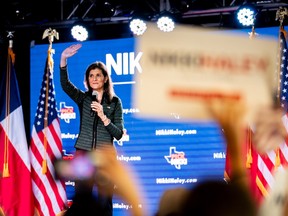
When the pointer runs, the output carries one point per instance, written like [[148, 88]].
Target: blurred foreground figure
[[214, 197], [100, 167], [217, 198], [171, 202], [269, 135], [230, 115], [276, 202]]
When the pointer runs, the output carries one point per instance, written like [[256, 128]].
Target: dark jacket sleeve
[[115, 128], [68, 87]]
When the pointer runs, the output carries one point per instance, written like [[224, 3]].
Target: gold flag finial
[[50, 33], [280, 14], [10, 36]]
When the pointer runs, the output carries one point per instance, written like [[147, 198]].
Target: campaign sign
[[187, 68]]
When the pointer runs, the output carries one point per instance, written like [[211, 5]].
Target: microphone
[[94, 98]]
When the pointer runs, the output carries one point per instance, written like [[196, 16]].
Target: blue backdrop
[[164, 153]]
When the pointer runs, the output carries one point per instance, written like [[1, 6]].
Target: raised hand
[[68, 52], [269, 132]]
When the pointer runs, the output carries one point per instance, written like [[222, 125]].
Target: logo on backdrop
[[125, 63], [66, 156], [66, 112], [176, 158], [219, 155]]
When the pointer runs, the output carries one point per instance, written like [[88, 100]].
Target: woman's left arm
[[116, 125]]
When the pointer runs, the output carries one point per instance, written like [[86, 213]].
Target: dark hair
[[219, 198], [108, 86]]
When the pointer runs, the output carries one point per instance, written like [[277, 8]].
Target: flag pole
[[50, 34], [280, 15], [10, 57], [249, 158], [253, 33], [10, 51]]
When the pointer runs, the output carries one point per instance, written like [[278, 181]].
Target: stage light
[[138, 26], [246, 15], [165, 24], [79, 32]]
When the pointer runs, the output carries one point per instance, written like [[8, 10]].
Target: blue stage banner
[[164, 153]]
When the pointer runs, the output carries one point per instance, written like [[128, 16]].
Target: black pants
[[89, 200], [97, 191]]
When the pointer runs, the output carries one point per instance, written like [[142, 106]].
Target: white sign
[[184, 69]]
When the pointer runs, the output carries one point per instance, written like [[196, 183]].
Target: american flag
[[266, 164], [45, 147], [261, 167]]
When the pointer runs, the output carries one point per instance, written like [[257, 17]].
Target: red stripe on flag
[[15, 190], [54, 149], [262, 179], [267, 162], [47, 182], [54, 129], [36, 162], [41, 189]]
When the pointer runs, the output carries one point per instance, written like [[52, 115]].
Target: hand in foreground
[[101, 167], [128, 188], [230, 116], [269, 130]]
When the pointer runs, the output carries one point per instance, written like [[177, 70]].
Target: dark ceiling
[[37, 15]]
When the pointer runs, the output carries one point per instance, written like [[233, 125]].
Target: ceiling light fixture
[[246, 15], [79, 32], [165, 24], [138, 26]]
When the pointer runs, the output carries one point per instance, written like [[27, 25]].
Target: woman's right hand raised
[[68, 52], [71, 50]]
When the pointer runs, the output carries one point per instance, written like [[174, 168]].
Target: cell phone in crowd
[[79, 168]]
